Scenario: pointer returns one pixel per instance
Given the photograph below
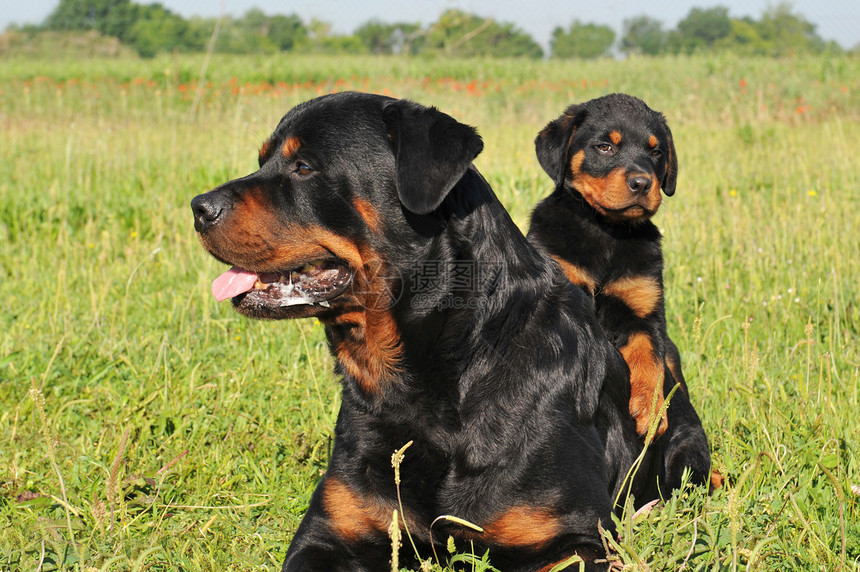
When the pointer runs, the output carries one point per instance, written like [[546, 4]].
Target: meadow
[[145, 426]]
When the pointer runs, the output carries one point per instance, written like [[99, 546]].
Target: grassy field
[[144, 426]]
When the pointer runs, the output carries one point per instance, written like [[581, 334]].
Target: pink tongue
[[232, 283]]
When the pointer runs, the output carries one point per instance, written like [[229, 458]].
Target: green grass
[[145, 426]]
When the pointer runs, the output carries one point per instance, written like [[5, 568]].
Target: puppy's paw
[[644, 408]]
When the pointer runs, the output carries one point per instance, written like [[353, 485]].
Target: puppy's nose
[[639, 184], [208, 210]]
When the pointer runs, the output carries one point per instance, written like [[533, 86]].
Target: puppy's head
[[320, 228], [614, 151]]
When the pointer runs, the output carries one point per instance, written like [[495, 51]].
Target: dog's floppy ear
[[553, 141], [432, 151], [670, 178]]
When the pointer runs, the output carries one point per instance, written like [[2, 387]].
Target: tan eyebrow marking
[[290, 146], [264, 148]]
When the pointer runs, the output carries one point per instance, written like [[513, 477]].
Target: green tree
[[234, 36], [108, 17], [587, 41], [701, 29], [321, 40], [274, 32], [287, 32], [643, 35], [382, 38], [200, 31], [744, 37], [787, 33], [148, 28], [157, 29], [778, 33], [457, 33]]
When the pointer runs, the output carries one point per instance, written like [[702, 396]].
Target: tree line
[[152, 28]]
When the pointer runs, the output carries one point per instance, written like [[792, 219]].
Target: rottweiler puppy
[[449, 330], [609, 158]]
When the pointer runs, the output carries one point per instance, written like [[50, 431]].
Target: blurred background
[[507, 28]]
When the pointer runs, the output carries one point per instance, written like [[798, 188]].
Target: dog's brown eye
[[303, 169], [604, 147], [656, 153]]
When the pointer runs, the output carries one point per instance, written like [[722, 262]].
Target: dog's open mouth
[[315, 282]]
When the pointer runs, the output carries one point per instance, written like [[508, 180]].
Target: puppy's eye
[[604, 148], [303, 169], [656, 153]]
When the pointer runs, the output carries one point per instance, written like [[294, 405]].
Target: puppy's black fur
[[449, 330], [609, 158]]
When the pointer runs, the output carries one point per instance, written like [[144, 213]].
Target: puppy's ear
[[553, 142], [670, 178], [432, 151]]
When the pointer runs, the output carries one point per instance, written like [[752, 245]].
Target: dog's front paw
[[644, 409]]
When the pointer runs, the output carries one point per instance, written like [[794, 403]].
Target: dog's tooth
[[317, 262], [309, 267], [260, 285], [294, 275]]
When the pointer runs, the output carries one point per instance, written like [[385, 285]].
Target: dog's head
[[614, 151], [315, 231]]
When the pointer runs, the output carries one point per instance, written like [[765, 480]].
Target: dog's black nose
[[207, 209], [639, 184]]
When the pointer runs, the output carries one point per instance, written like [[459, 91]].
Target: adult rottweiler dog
[[449, 330], [609, 158]]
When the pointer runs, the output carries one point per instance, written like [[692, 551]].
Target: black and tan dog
[[449, 330], [609, 158]]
